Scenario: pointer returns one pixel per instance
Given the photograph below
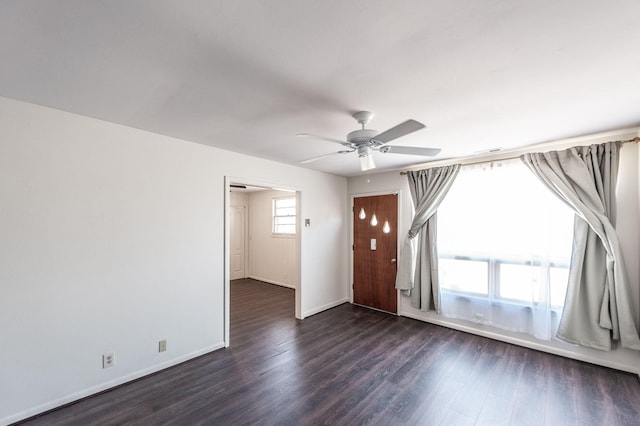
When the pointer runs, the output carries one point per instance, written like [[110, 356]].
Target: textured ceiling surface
[[247, 76]]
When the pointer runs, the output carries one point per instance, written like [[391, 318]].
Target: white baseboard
[[266, 280], [324, 307], [106, 386], [631, 366]]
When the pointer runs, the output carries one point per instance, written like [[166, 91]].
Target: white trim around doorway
[[228, 180]]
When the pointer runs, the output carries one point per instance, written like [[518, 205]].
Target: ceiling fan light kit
[[365, 141], [367, 163]]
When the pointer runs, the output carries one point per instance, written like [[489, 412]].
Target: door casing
[[228, 180]]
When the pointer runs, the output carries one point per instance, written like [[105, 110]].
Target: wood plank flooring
[[354, 366]]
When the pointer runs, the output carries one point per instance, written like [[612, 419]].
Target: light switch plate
[[108, 360]]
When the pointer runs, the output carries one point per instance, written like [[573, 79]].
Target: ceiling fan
[[366, 141]]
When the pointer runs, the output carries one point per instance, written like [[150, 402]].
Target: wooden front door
[[375, 251]]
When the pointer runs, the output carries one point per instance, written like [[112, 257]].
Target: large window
[[284, 215], [504, 245]]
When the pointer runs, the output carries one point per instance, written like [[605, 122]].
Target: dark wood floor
[[352, 366]]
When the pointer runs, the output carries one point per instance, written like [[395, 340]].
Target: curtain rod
[[636, 139]]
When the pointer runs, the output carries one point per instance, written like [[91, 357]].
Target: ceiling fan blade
[[410, 150], [398, 131], [320, 157], [324, 138]]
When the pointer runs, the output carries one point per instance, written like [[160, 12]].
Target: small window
[[284, 215]]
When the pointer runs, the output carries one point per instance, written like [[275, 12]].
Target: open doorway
[[262, 244]]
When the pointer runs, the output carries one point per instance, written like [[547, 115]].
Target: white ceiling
[[247, 76]]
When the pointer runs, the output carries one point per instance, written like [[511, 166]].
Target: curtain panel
[[417, 274], [597, 309]]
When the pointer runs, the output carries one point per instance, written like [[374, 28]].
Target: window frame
[[493, 277], [274, 216]]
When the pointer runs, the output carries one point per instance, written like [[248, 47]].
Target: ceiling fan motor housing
[[361, 136]]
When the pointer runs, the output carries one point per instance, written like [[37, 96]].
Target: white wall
[[628, 225], [112, 238], [272, 258]]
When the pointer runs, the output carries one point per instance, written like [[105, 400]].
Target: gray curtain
[[598, 307], [417, 275]]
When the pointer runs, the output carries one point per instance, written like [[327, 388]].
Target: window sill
[[495, 301], [290, 236]]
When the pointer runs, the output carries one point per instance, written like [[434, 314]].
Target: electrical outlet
[[108, 360], [162, 345]]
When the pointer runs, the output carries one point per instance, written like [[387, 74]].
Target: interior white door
[[237, 243]]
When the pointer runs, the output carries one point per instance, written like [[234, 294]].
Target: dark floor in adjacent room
[[350, 366]]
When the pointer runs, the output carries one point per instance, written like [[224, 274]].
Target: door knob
[[393, 261]]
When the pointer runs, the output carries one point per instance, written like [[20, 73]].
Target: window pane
[[285, 220], [526, 283], [286, 202], [285, 211], [504, 211], [285, 229], [520, 282], [464, 275], [559, 279]]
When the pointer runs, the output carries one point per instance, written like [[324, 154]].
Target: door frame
[[228, 180], [399, 193]]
